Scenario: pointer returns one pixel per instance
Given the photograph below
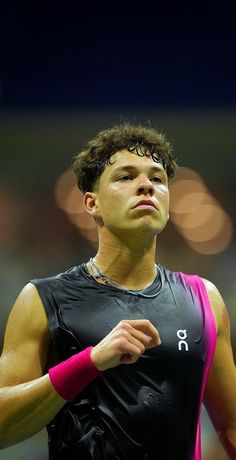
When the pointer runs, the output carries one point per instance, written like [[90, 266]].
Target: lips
[[145, 203]]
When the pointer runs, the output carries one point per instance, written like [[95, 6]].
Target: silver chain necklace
[[108, 282]]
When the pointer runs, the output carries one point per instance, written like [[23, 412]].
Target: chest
[[178, 317]]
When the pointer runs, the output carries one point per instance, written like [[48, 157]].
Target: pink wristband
[[70, 377]]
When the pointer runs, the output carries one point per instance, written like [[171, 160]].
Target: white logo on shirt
[[182, 335]]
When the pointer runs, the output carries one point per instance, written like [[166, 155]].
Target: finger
[[146, 339], [141, 344], [145, 326], [140, 336], [125, 329], [130, 350], [128, 359]]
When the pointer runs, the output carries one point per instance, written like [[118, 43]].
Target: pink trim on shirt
[[198, 286]]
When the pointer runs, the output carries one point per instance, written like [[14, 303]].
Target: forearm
[[27, 408], [228, 440]]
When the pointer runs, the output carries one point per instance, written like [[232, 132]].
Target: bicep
[[220, 394], [26, 340]]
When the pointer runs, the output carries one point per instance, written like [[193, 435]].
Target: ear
[[90, 204]]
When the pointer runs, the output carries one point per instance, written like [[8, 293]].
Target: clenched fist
[[125, 343]]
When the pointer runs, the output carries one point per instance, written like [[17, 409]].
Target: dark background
[[121, 54]]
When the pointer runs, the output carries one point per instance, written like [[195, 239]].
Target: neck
[[128, 267]]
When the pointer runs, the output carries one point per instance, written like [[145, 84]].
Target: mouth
[[145, 204]]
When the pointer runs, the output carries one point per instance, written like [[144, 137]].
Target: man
[[116, 355]]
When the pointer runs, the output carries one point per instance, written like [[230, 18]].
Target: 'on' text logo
[[182, 336]]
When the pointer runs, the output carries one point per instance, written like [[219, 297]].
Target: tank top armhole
[[40, 285]]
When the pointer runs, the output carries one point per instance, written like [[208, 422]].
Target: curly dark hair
[[89, 164]]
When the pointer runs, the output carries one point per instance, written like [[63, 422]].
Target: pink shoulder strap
[[198, 286]]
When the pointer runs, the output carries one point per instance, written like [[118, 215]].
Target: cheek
[[114, 197], [109, 205], [163, 197]]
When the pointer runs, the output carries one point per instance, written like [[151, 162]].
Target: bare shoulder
[[26, 339], [27, 317], [220, 393], [219, 308]]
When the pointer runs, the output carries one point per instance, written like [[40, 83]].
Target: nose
[[145, 186]]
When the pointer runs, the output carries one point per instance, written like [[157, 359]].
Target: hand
[[125, 344]]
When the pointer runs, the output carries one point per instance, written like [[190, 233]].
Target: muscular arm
[[28, 401], [220, 396]]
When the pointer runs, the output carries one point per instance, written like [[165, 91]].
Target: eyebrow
[[135, 168]]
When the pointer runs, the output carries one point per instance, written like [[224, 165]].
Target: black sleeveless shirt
[[146, 410]]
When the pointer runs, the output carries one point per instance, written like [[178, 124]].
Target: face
[[132, 194]]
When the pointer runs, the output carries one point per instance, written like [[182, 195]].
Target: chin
[[145, 225], [150, 230], [154, 226]]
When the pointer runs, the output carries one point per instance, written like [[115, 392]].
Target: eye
[[124, 178], [156, 179]]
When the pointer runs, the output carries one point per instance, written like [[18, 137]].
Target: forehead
[[125, 158]]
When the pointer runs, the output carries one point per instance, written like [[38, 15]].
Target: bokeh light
[[70, 199], [204, 225]]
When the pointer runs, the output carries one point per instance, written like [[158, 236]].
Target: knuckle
[[122, 332], [123, 324], [148, 322], [122, 343]]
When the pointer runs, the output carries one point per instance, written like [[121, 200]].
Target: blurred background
[[68, 71]]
